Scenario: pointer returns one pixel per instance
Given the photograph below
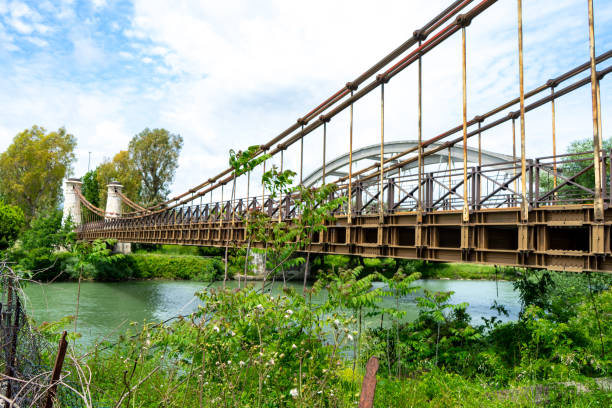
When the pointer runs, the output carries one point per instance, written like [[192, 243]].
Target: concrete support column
[[257, 262], [113, 210], [72, 204]]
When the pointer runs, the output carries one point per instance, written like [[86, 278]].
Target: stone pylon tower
[[113, 210], [72, 204], [113, 200]]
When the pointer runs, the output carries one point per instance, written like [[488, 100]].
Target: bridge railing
[[552, 181]]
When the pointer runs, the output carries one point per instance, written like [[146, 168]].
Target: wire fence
[[26, 366]]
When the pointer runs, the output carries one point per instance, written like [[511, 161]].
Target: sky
[[235, 73]]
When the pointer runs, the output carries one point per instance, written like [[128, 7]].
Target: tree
[[33, 167], [12, 221], [120, 169], [155, 155], [91, 187], [575, 167], [48, 232]]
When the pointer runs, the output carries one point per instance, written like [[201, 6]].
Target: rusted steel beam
[[57, 370]]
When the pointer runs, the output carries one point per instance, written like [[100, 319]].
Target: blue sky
[[234, 73]]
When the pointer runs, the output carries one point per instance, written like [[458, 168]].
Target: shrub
[[153, 266], [12, 221]]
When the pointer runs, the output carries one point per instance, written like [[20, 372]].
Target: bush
[[154, 266], [46, 231], [12, 221], [241, 349]]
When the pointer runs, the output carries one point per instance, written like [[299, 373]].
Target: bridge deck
[[556, 237]]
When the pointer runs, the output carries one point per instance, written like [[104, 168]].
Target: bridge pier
[[113, 210], [72, 204]]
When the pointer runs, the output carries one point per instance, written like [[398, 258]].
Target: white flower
[[231, 332], [350, 337], [216, 329], [286, 316], [337, 322], [229, 362], [260, 307], [271, 362], [289, 312], [294, 392], [241, 363], [293, 346]]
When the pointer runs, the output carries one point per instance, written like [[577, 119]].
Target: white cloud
[[98, 4], [7, 42], [245, 72], [235, 73], [25, 20], [86, 50], [37, 41]]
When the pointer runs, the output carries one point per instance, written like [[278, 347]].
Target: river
[[106, 309]]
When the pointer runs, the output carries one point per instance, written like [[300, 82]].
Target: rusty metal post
[[420, 134], [599, 117], [248, 188], [514, 156], [350, 185], [222, 207], [381, 208], [449, 171], [280, 194], [524, 204], [263, 190], [479, 144], [368, 388], [466, 209], [554, 135], [537, 183], [301, 156], [233, 199], [57, 370], [598, 201], [324, 146]]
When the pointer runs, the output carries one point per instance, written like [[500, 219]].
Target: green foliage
[[144, 266], [37, 253], [278, 182], [159, 266], [572, 167], [33, 167], [91, 188], [154, 153], [243, 162], [12, 222], [47, 232], [123, 170], [240, 349]]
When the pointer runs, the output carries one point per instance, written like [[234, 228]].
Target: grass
[[431, 270]]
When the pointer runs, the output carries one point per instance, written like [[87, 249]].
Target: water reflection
[[106, 309]]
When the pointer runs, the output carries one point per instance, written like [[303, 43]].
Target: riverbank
[[207, 264], [255, 350], [137, 266]]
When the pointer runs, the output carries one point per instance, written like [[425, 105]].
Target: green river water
[[106, 309]]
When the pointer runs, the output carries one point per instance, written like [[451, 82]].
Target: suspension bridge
[[434, 199]]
